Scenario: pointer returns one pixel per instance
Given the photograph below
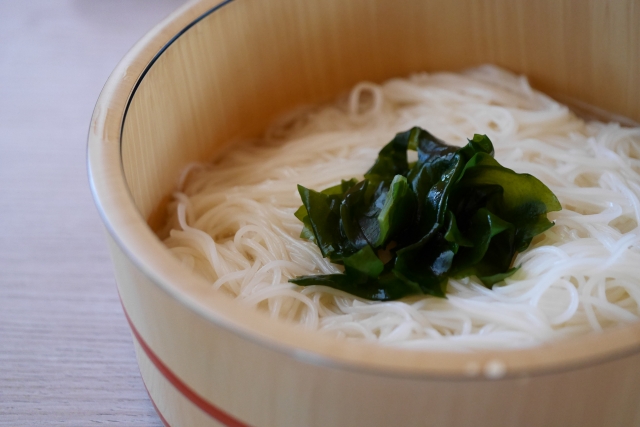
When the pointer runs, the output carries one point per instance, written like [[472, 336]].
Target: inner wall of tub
[[236, 69]]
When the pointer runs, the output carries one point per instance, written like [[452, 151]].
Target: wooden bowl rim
[[134, 237]]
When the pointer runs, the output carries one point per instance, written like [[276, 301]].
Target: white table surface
[[66, 353]]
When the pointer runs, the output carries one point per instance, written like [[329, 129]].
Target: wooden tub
[[212, 72]]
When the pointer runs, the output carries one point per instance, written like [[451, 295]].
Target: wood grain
[[251, 61], [66, 353]]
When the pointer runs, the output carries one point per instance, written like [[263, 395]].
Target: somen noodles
[[232, 221]]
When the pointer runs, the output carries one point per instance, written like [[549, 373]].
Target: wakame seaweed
[[408, 227]]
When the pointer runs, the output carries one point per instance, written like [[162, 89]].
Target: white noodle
[[232, 221]]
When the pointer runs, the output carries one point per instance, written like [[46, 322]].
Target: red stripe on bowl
[[213, 411], [164, 421]]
